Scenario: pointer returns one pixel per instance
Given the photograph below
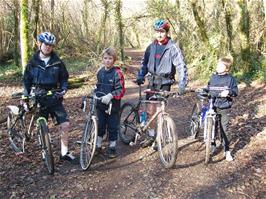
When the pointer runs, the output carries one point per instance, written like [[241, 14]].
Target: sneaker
[[213, 149], [155, 146], [98, 151], [228, 156], [111, 152], [69, 157], [147, 142]]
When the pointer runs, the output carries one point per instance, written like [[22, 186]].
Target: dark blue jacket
[[217, 84], [171, 61], [54, 75], [111, 81]]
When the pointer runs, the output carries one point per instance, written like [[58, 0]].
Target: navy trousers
[[109, 123]]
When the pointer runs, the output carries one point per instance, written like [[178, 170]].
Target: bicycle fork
[[212, 116], [136, 138]]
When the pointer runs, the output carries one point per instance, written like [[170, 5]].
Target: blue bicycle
[[204, 119]]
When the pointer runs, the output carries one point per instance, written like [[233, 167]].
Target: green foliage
[[9, 72], [77, 65]]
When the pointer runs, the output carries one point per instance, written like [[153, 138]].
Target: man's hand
[[224, 93], [140, 80], [107, 98], [60, 94]]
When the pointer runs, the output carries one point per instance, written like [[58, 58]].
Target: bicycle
[[204, 117], [131, 128], [19, 131], [90, 132]]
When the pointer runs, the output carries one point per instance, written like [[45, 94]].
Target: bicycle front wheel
[[128, 123], [88, 143], [47, 154], [16, 132], [167, 141], [208, 139]]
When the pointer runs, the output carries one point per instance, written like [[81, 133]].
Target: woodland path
[[137, 172]]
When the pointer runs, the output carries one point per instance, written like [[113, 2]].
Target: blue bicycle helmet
[[161, 24], [47, 38]]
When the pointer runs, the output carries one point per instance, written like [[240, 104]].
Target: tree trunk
[[52, 16], [228, 24], [245, 39], [200, 24], [36, 7], [2, 29], [264, 5], [118, 7], [103, 25], [16, 32], [24, 23], [85, 17]]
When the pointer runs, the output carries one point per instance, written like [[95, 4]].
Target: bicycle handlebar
[[161, 93], [39, 93], [93, 96], [205, 92]]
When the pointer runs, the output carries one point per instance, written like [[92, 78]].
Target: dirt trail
[[137, 172]]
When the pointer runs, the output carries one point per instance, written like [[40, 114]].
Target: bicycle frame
[[34, 114], [159, 111]]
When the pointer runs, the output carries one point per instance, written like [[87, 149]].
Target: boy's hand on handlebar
[[224, 93], [60, 94], [140, 80], [107, 98]]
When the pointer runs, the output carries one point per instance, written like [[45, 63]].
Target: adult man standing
[[161, 60]]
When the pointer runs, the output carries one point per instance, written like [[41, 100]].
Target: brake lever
[[109, 108]]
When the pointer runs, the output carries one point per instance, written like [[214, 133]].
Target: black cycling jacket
[[111, 81], [219, 83], [54, 75]]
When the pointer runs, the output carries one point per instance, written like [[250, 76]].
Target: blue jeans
[[109, 122]]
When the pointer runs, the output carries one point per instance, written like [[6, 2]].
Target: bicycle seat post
[[140, 92]]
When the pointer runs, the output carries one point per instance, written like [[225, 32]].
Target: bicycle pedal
[[132, 144], [19, 153], [78, 142]]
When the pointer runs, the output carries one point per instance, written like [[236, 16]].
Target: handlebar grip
[[83, 104], [109, 108]]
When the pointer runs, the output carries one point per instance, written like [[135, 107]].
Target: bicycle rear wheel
[[47, 154], [128, 123], [194, 121], [167, 141], [88, 143], [208, 139], [16, 132]]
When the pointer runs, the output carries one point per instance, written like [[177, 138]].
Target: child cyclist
[[110, 82], [223, 86]]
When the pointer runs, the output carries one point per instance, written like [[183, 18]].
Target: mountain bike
[[21, 129], [131, 128], [204, 117], [90, 132]]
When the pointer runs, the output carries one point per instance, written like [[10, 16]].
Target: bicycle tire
[[128, 123], [16, 132], [208, 139], [47, 154], [167, 141], [194, 121], [88, 143]]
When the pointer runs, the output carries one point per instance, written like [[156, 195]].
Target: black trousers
[[222, 124]]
